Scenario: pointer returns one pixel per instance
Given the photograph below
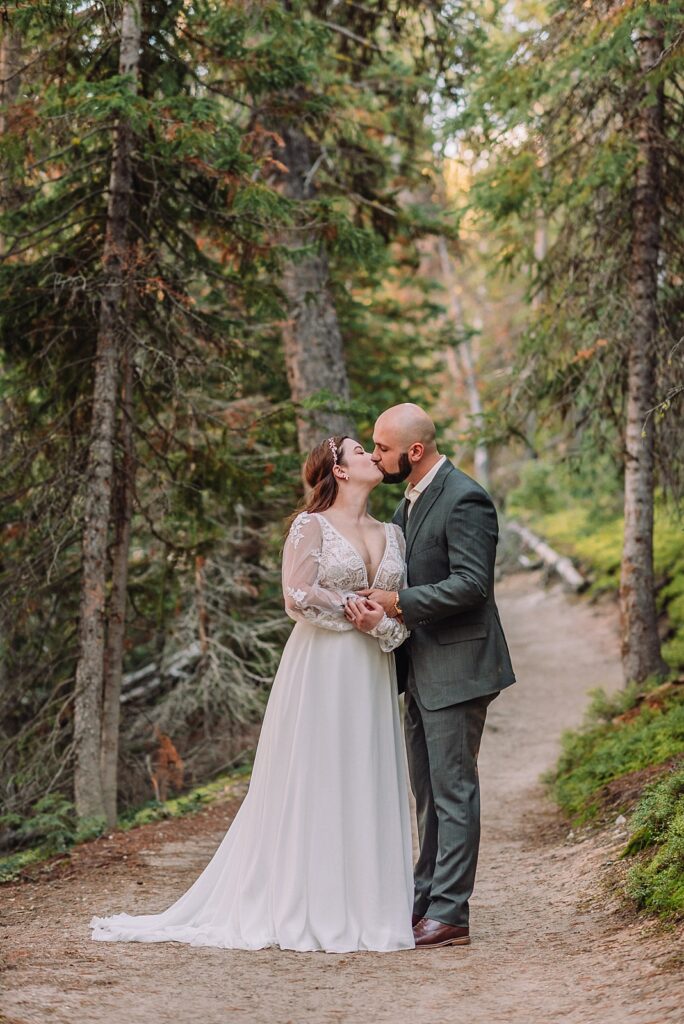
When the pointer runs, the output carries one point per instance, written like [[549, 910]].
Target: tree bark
[[116, 609], [639, 629], [88, 788], [314, 353], [10, 57], [10, 62], [462, 354]]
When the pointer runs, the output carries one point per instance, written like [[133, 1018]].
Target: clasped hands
[[367, 609]]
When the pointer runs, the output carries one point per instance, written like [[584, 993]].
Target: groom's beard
[[404, 470]]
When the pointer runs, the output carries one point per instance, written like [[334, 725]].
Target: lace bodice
[[321, 569]]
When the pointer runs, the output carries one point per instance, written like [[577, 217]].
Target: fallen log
[[146, 680], [560, 564]]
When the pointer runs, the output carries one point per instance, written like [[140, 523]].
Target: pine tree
[[116, 259], [202, 431], [580, 115]]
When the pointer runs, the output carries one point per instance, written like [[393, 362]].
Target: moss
[[656, 883], [624, 734], [606, 750]]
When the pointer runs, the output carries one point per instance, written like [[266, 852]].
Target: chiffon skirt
[[319, 855]]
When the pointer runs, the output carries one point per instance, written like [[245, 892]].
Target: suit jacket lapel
[[423, 504]]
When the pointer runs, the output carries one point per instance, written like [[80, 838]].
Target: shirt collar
[[413, 490]]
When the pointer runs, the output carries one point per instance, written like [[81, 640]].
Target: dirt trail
[[548, 943]]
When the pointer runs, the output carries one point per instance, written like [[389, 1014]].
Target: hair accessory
[[333, 449]]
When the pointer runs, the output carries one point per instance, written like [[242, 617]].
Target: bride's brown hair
[[318, 473]]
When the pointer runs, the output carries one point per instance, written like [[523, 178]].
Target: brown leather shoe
[[430, 934], [415, 919]]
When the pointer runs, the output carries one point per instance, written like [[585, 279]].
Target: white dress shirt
[[414, 491]]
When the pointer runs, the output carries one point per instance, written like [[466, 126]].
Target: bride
[[319, 854]]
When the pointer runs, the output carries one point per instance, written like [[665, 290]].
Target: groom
[[452, 666]]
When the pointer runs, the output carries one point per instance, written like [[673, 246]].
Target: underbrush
[[657, 882], [54, 820], [589, 528], [636, 734]]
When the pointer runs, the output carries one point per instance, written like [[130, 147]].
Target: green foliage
[[538, 491], [657, 882], [549, 124], [53, 823], [55, 818], [603, 752], [588, 528], [604, 707], [11, 867], [214, 427], [52, 818], [597, 546]]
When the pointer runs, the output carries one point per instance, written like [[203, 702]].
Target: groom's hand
[[385, 598], [363, 613]]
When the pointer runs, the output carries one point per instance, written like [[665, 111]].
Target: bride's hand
[[363, 613]]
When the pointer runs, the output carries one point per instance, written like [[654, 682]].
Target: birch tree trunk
[[462, 354], [116, 609], [639, 632], [88, 787], [314, 353]]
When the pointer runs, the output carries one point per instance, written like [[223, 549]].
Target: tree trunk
[[203, 633], [314, 354], [463, 354], [639, 630], [10, 62], [10, 59], [88, 789], [116, 609]]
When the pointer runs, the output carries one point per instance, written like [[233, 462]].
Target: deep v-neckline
[[358, 553]]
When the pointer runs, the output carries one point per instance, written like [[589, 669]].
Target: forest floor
[[551, 942]]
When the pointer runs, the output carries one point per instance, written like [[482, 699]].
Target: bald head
[[404, 443], [408, 424]]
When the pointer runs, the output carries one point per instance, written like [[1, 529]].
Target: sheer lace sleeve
[[389, 633], [305, 598]]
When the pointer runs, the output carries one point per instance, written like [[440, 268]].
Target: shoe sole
[[465, 941]]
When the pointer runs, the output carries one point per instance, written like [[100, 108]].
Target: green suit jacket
[[457, 648]]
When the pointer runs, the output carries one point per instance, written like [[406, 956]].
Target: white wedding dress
[[319, 854]]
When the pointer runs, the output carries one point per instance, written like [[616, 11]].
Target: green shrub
[[51, 828], [657, 882], [54, 820], [604, 707], [600, 753], [538, 490], [606, 749]]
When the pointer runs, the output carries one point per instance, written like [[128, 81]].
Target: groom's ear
[[416, 451]]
